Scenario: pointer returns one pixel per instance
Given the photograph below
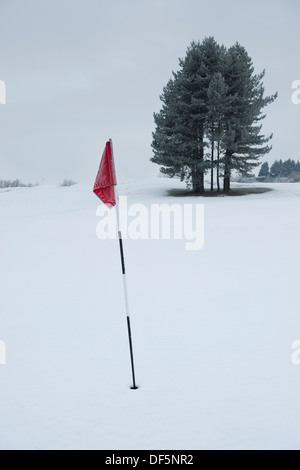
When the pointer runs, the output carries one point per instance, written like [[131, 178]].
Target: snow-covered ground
[[212, 329]]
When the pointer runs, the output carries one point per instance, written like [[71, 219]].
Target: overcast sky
[[79, 72]]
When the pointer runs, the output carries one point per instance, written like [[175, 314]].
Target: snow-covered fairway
[[212, 329]]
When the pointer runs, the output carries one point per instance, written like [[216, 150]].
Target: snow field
[[212, 329]]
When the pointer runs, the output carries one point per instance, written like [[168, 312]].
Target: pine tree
[[179, 139], [264, 172], [276, 169], [288, 167], [244, 144], [295, 176]]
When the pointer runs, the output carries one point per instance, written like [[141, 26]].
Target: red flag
[[106, 178]]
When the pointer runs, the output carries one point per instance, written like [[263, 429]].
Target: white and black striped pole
[[134, 387]]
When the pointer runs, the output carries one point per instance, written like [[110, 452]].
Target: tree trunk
[[198, 175], [198, 182], [218, 166], [227, 171], [212, 160]]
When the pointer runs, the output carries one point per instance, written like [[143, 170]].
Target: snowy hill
[[212, 329]]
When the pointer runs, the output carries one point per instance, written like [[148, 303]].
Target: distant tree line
[[13, 184], [68, 182], [211, 117], [288, 170], [18, 183]]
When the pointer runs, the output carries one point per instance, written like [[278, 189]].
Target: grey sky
[[79, 72]]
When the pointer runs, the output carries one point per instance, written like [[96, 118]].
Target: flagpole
[[134, 387]]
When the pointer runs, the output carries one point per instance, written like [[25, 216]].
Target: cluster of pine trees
[[288, 170], [211, 116]]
